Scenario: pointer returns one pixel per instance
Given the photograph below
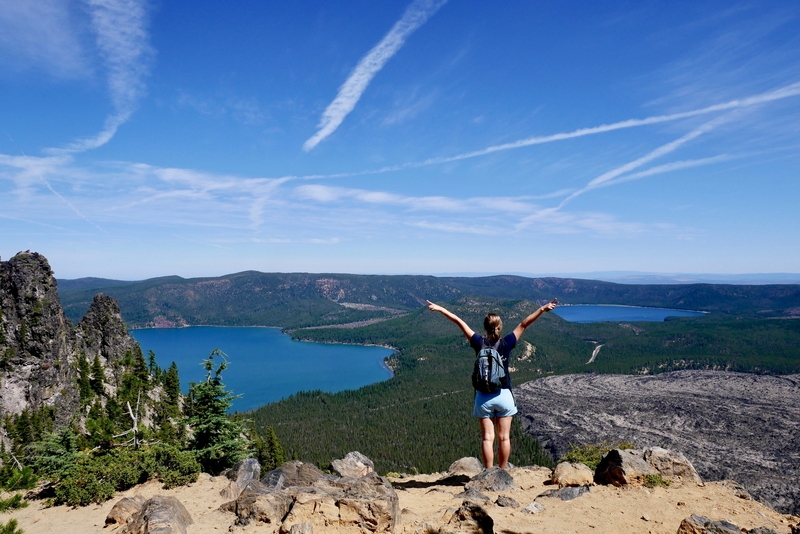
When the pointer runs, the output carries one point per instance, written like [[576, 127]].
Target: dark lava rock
[[506, 502], [697, 524], [494, 479], [728, 425], [472, 495], [471, 517], [565, 494]]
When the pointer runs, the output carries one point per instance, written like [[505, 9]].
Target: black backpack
[[489, 374]]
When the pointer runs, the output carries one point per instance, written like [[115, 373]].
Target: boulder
[[294, 473], [299, 496], [621, 467], [472, 495], [353, 465], [533, 508], [124, 510], [697, 524], [762, 530], [572, 474], [260, 503], [565, 494], [506, 502], [471, 517], [159, 515], [671, 464], [468, 465], [240, 476], [494, 479]]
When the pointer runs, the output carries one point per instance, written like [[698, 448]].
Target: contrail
[[123, 43], [351, 90], [647, 158], [68, 203], [770, 96]]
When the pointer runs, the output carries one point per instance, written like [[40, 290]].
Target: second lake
[[595, 313], [264, 364]]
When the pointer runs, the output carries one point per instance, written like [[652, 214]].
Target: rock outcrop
[[736, 426], [623, 467], [240, 476], [39, 347], [298, 496], [159, 515]]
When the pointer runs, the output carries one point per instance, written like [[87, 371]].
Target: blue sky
[[141, 139]]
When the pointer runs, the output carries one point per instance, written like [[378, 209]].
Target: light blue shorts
[[499, 404]]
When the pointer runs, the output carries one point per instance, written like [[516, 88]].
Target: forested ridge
[[291, 300]]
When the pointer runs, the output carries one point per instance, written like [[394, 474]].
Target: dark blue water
[[595, 313], [265, 365]]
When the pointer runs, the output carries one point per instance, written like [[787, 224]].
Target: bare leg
[[504, 437], [487, 441]]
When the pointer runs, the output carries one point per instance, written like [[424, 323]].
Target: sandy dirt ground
[[602, 510]]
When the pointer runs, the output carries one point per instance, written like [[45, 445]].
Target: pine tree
[[172, 390], [98, 376], [218, 441], [140, 369], [84, 386], [269, 451], [155, 370]]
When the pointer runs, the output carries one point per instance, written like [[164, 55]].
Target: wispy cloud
[[670, 167], [351, 90], [607, 177], [123, 42], [781, 93], [328, 194], [40, 35]]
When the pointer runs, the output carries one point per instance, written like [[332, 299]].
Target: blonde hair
[[493, 325]]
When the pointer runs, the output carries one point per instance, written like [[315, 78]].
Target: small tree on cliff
[[218, 441]]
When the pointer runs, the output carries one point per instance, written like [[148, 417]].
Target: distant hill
[[89, 283], [293, 300]]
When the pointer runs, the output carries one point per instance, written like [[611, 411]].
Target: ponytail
[[493, 325]]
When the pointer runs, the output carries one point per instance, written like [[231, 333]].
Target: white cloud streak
[[39, 35], [607, 177], [787, 91], [123, 42], [351, 90]]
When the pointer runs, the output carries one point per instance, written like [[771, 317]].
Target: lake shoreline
[[267, 363]]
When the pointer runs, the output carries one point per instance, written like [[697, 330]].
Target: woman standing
[[495, 409]]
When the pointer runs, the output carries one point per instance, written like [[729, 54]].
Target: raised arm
[[469, 332], [527, 321]]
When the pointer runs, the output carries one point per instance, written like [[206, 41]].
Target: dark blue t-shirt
[[504, 348]]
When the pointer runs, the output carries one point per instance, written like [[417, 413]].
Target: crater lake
[[264, 364]]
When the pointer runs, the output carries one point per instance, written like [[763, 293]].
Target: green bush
[[651, 481], [590, 454], [11, 478], [95, 477], [10, 527], [14, 502]]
